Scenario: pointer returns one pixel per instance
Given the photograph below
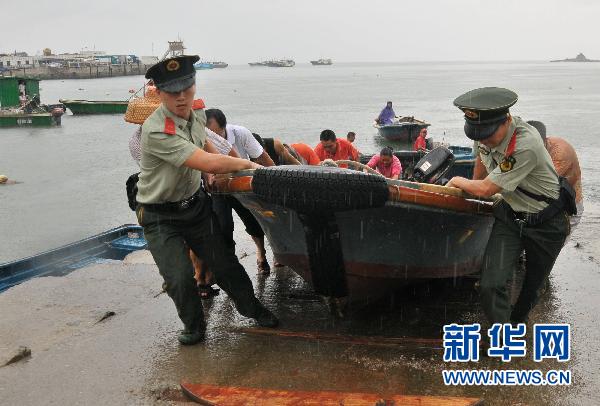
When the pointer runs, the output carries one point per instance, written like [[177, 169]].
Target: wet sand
[[133, 357]]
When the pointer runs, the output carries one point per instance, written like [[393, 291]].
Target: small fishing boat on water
[[281, 63], [20, 104], [403, 129], [95, 106], [322, 62], [219, 64], [357, 237]]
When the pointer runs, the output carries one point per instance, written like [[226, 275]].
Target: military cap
[[485, 110], [173, 75]]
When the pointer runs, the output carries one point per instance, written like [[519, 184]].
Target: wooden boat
[[95, 106], [112, 244], [358, 236], [29, 112], [404, 129]]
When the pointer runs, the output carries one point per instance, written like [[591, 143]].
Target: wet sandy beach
[[133, 357]]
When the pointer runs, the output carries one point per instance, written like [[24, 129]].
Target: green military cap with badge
[[174, 75], [485, 110]]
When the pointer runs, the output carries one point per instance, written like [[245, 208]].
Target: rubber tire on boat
[[319, 189]]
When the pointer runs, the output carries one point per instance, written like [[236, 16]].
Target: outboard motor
[[433, 166]]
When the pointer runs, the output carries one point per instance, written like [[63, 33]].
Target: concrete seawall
[[83, 72]]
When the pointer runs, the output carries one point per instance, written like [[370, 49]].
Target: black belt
[[177, 206], [534, 219]]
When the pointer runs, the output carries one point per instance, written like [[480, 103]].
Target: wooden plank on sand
[[234, 396]]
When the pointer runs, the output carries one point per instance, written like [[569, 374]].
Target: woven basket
[[139, 109]]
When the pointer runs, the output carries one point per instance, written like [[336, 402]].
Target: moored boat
[[358, 236], [403, 129], [20, 104], [95, 106], [203, 65], [322, 62], [219, 65], [282, 63], [112, 244]]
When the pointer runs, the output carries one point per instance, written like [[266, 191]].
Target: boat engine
[[433, 166]]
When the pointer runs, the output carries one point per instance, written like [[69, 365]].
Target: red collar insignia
[[511, 145], [169, 126]]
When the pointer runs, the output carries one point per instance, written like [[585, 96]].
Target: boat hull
[[383, 248], [112, 244], [401, 132], [95, 107], [28, 120]]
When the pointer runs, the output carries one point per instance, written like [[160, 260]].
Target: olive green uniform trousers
[[170, 234], [542, 244]]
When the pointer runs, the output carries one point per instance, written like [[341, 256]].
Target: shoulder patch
[[198, 104], [169, 126], [507, 163]]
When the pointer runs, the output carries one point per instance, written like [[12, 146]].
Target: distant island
[[579, 58]]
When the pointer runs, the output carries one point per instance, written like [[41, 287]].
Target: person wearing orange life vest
[[421, 143], [335, 148], [532, 214]]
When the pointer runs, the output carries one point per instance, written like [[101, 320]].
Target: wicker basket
[[139, 109]]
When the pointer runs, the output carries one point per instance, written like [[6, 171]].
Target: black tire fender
[[319, 189]]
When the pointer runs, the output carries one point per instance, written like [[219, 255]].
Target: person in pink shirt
[[386, 163]]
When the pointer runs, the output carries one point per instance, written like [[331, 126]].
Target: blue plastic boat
[[203, 65], [113, 244]]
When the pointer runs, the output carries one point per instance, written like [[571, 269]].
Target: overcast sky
[[240, 31]]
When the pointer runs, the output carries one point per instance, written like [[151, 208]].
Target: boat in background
[[203, 65], [17, 110], [281, 63], [219, 65], [82, 107], [322, 62], [113, 244], [403, 129], [464, 160]]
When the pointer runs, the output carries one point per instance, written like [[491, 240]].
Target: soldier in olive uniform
[[176, 212], [530, 216]]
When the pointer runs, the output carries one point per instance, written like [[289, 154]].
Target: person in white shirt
[[247, 147]]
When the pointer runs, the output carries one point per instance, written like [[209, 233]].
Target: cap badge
[[172, 65], [471, 114]]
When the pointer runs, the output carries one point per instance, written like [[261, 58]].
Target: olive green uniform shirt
[[167, 142], [530, 168]]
